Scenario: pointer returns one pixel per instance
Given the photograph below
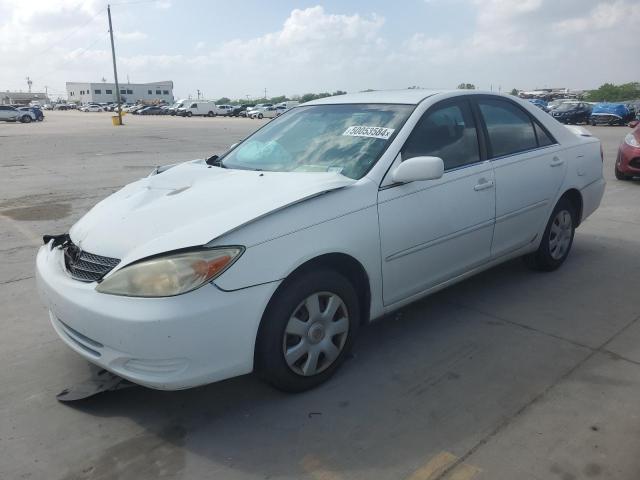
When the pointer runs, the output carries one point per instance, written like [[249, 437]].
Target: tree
[[280, 99], [223, 100], [338, 92], [466, 86], [514, 92], [610, 92]]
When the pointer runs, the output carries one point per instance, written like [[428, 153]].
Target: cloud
[[524, 44], [129, 36]]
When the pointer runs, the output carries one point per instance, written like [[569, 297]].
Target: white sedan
[[266, 112], [92, 108], [335, 214]]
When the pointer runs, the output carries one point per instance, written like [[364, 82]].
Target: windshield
[[563, 107], [346, 139]]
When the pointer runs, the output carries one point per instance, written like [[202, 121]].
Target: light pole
[[115, 70]]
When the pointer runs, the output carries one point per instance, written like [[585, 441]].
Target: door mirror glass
[[418, 169]]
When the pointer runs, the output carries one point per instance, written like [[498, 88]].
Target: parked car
[[346, 193], [92, 108], [541, 104], [38, 115], [610, 114], [259, 106], [224, 110], [264, 112], [240, 110], [572, 112], [154, 110], [9, 114], [628, 160], [26, 114]]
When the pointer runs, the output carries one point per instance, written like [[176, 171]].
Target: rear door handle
[[556, 162], [483, 184]]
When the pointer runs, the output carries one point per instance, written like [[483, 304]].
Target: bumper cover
[[165, 343]]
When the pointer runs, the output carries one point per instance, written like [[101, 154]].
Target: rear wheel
[[210, 114], [557, 239], [307, 331], [260, 116]]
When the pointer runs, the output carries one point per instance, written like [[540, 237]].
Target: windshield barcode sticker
[[370, 132]]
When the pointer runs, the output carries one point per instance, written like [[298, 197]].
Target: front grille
[[85, 266]]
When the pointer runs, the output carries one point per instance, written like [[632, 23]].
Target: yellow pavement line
[[463, 472], [26, 232], [434, 467], [314, 467]]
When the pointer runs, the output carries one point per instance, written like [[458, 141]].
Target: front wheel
[[557, 239], [26, 119], [307, 330], [189, 114]]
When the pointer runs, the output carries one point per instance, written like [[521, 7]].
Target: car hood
[[189, 205]]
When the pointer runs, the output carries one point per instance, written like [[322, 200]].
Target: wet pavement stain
[[148, 456], [46, 211]]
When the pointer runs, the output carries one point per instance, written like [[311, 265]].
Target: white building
[[83, 92]]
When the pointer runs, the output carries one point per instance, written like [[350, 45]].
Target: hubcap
[[315, 333], [560, 234]]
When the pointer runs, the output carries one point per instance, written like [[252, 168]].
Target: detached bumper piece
[[100, 381]]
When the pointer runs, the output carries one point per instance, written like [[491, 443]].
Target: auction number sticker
[[369, 132]]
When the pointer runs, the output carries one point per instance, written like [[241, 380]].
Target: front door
[[434, 230]]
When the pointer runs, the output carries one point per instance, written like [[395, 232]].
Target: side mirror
[[417, 169], [233, 146], [634, 123]]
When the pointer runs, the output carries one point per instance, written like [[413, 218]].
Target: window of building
[[122, 92], [71, 94], [165, 92], [510, 128], [130, 92], [158, 92], [447, 131], [150, 92], [108, 92], [97, 92]]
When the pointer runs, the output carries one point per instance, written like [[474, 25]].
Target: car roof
[[408, 97]]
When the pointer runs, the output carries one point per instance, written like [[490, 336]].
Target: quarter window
[[544, 140], [510, 129], [448, 132]]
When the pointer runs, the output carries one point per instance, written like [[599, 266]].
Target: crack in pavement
[[504, 424]]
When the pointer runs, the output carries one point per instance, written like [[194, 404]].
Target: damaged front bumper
[[166, 343]]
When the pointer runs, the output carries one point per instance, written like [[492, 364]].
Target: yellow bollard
[[116, 120]]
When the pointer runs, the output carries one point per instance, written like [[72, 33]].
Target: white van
[[198, 107]]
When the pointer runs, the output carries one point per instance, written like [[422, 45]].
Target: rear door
[[529, 169], [432, 231]]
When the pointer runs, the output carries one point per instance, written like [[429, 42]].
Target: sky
[[240, 48]]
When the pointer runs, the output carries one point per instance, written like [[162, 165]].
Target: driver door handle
[[556, 162], [483, 184]]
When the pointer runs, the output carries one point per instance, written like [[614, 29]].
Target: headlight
[[631, 139], [171, 274]]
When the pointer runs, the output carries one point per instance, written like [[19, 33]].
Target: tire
[[620, 175], [189, 114], [287, 312], [557, 239], [26, 119], [210, 114]]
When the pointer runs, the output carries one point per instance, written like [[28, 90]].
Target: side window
[[448, 132], [544, 140], [194, 105], [510, 129]]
